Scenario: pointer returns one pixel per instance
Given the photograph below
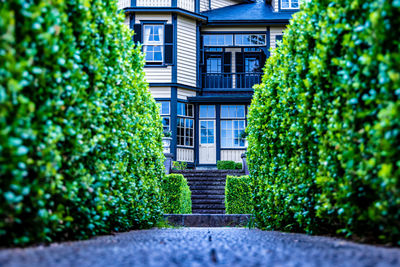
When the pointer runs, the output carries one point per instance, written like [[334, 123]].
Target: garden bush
[[238, 198], [324, 125], [177, 195], [228, 165], [80, 135]]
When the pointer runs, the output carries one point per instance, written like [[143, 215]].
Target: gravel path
[[203, 247]]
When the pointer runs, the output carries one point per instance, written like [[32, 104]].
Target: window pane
[[240, 111], [225, 111], [285, 3]]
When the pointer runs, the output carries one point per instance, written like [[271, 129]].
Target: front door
[[207, 144]]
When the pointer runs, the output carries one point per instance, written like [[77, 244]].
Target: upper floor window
[[289, 4], [218, 40], [153, 43], [250, 40]]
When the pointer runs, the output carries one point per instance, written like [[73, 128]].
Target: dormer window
[[153, 42], [290, 4]]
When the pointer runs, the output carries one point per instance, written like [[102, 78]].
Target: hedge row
[[177, 195], [80, 135], [324, 125], [228, 165], [238, 198]]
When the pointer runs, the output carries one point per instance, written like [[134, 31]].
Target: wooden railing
[[184, 4], [230, 80]]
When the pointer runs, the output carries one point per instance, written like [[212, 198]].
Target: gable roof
[[257, 12]]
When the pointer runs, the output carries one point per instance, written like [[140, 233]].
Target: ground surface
[[204, 247]]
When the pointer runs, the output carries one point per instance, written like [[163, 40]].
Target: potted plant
[[243, 136], [167, 139]]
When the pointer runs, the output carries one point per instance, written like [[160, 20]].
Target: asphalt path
[[203, 247]]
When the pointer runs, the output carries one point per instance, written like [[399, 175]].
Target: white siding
[[222, 3], [127, 19], [234, 29], [187, 52], [234, 155], [184, 154], [158, 75], [204, 5], [274, 32], [124, 3], [184, 93], [157, 3], [186, 4], [152, 16], [161, 92]]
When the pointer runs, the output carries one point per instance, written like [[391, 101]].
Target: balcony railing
[[230, 80]]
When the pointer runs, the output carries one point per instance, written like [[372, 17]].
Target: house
[[202, 59]]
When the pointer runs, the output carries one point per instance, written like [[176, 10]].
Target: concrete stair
[[208, 189], [209, 220]]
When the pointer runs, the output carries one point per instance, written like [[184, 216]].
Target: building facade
[[202, 59]]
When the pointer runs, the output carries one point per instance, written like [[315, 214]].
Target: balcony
[[188, 5], [231, 81]]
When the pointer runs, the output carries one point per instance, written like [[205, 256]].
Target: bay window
[[290, 4], [165, 114], [233, 125], [185, 125]]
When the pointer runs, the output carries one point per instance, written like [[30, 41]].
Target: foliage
[[80, 135], [228, 165], [179, 165], [167, 133], [238, 195], [177, 195], [324, 125]]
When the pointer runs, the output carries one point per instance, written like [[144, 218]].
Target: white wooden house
[[202, 59]]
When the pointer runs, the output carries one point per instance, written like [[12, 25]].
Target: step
[[208, 192], [207, 183], [208, 211], [206, 187], [208, 201], [208, 220], [205, 196], [208, 206]]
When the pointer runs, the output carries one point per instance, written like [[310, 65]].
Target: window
[[290, 4], [153, 43], [232, 111], [165, 112], [214, 65], [231, 131], [250, 40], [207, 111], [185, 127], [232, 126], [218, 40], [251, 64]]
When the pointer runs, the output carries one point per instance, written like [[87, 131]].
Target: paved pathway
[[204, 247]]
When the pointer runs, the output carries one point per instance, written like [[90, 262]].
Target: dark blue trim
[[133, 2], [233, 32], [236, 148], [232, 90], [220, 99], [175, 62], [153, 21], [158, 66], [174, 3], [167, 9], [206, 165], [288, 9], [209, 4], [278, 22], [131, 20], [174, 114], [218, 130], [268, 42], [183, 86], [162, 99], [196, 135], [198, 55], [197, 6]]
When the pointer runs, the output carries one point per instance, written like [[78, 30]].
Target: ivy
[[80, 135], [324, 127]]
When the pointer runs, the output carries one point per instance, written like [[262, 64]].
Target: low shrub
[[228, 165], [238, 197], [177, 195], [324, 125], [179, 165], [80, 135]]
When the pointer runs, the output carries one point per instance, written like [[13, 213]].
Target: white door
[[208, 147]]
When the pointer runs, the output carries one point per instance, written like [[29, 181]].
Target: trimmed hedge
[[80, 135], [324, 125], [177, 195], [228, 165], [238, 198]]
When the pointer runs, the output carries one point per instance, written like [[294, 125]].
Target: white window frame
[[250, 34], [147, 43], [185, 118], [290, 5], [232, 130], [165, 115]]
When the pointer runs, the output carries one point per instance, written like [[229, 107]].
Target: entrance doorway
[[207, 140]]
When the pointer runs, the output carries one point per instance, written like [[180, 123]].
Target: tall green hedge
[[324, 125], [80, 135], [238, 198], [177, 194]]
